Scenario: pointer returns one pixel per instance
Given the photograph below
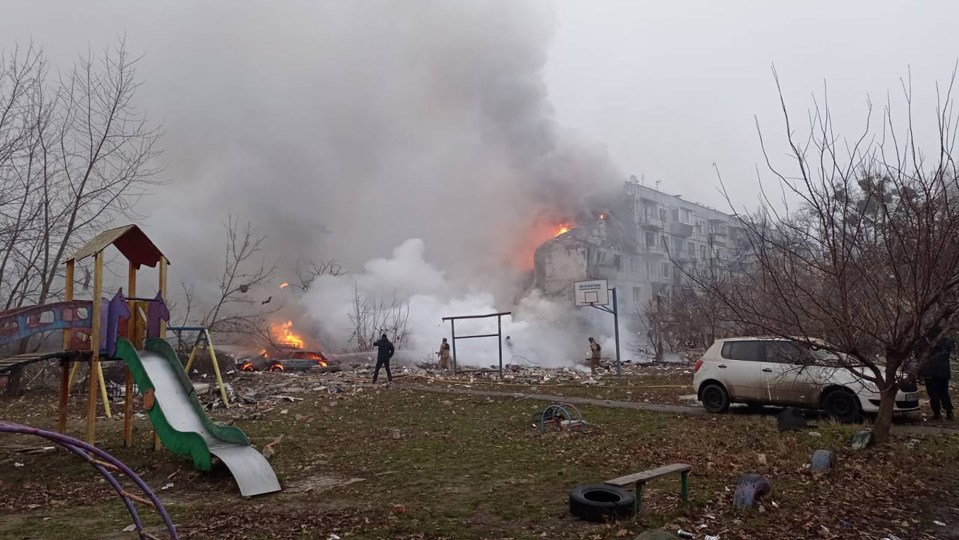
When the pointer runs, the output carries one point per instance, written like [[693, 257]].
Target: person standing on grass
[[444, 354], [936, 373], [384, 351]]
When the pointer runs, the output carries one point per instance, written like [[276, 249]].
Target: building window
[[662, 214], [678, 245], [699, 227], [650, 239], [618, 263], [691, 249], [665, 270], [637, 294], [702, 252], [687, 216], [634, 265], [649, 271], [675, 214]]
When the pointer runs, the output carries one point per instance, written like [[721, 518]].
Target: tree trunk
[[887, 402]]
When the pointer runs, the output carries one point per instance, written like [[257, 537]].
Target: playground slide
[[182, 424]]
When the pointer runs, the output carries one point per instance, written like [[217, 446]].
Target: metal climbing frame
[[498, 335], [561, 417], [104, 463]]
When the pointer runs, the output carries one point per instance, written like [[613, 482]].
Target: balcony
[[717, 240], [651, 223], [655, 249], [681, 229]]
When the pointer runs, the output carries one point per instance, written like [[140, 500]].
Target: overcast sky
[[672, 87], [446, 109]]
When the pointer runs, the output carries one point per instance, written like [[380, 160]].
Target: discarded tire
[[749, 489], [791, 420], [823, 461], [599, 502]]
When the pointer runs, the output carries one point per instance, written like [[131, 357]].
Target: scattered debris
[[268, 450], [761, 459], [130, 528], [862, 440], [940, 523], [399, 509], [684, 534]]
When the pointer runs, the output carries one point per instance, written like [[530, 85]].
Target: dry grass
[[442, 466]]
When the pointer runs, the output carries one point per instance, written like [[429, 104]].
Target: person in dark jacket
[[384, 351], [936, 373]]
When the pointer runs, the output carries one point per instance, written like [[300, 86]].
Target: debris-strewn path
[[638, 406]]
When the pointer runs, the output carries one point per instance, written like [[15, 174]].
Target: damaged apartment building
[[636, 245]]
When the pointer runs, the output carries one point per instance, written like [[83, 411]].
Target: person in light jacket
[[444, 354]]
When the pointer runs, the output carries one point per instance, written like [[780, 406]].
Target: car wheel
[[843, 406], [715, 398]]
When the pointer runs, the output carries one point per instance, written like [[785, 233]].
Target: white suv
[[773, 371]]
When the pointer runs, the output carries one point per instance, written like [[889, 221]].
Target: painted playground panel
[[24, 322]]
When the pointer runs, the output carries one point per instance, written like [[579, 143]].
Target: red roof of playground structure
[[129, 240]]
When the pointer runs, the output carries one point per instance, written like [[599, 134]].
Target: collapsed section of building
[[640, 243]]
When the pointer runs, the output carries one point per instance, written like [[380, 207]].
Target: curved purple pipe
[[75, 444], [113, 482]]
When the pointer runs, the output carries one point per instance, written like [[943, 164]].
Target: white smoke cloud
[[543, 331]]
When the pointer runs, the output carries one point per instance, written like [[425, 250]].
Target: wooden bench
[[640, 479]]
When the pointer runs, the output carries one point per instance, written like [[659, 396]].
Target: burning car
[[286, 360]]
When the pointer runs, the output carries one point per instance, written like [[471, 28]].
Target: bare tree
[[372, 316], [306, 276], [74, 154], [868, 260], [237, 309]]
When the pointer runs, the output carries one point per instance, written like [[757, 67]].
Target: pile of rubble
[[251, 393]]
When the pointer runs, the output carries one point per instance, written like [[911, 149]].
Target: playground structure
[[133, 330], [203, 340]]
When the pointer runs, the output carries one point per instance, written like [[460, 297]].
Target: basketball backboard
[[591, 293]]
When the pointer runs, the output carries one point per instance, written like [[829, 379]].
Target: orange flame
[[523, 249], [283, 334], [284, 285], [562, 228], [602, 216]]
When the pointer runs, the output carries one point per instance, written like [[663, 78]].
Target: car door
[[785, 379], [741, 363]]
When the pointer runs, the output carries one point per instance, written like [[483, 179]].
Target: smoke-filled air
[[418, 149]]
